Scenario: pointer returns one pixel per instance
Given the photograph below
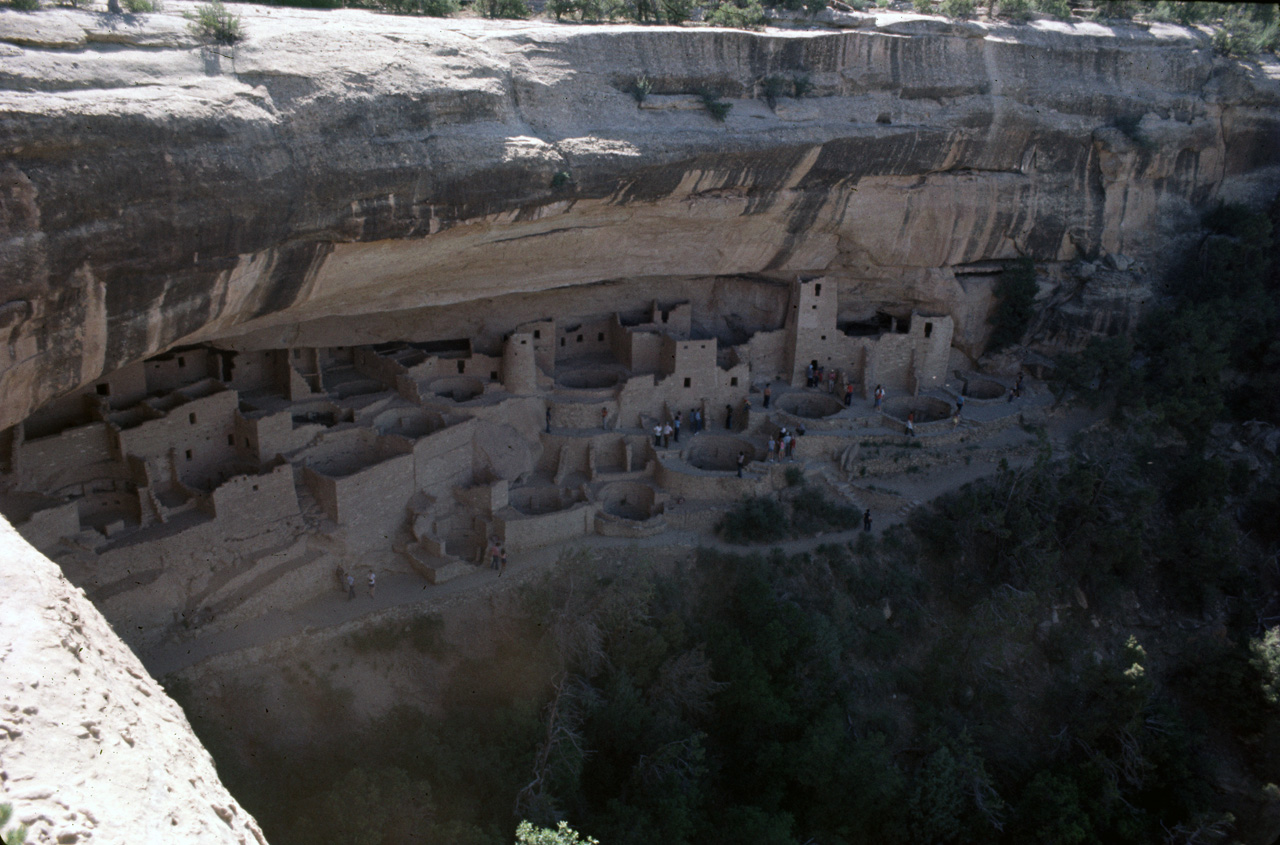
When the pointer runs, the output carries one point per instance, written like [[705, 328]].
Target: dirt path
[[399, 589]]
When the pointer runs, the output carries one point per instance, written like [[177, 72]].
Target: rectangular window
[[297, 353], [231, 440], [688, 382], [103, 389], [928, 329], [817, 289], [537, 333], [733, 382], [188, 454], [562, 341], [493, 375], [182, 362], [246, 443], [600, 337], [462, 366], [191, 418], [579, 338], [255, 488]]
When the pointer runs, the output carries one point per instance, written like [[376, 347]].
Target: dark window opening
[[103, 389], [600, 336], [524, 343], [814, 307], [579, 338], [733, 382], [817, 289], [231, 440], [191, 418], [182, 362], [493, 375], [688, 382], [824, 337], [255, 488], [928, 329], [188, 454], [246, 443], [462, 366], [562, 341], [537, 333]]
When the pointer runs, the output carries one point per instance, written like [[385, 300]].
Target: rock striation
[[339, 177]]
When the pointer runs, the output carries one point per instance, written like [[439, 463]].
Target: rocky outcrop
[[91, 748], [340, 174]]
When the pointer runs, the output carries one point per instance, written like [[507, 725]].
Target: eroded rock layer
[[338, 172]]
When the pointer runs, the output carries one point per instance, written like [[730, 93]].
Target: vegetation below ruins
[[1080, 651]]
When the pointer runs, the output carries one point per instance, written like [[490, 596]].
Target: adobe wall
[[442, 459], [250, 500], [46, 527], [371, 504], [120, 389], [522, 533], [74, 456], [175, 369], [200, 435]]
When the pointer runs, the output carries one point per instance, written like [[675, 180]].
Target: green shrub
[[1114, 10], [961, 9], [1015, 304], [1059, 9], [641, 88], [775, 86], [12, 837], [422, 633], [214, 22], [516, 9], [716, 107], [560, 8], [803, 85], [1014, 10], [138, 7], [24, 5], [924, 7], [758, 519], [676, 12], [794, 476], [750, 15], [439, 8]]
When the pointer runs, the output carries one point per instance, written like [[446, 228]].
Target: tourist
[[495, 556], [767, 393], [351, 587], [866, 520], [667, 431], [831, 381], [808, 376], [773, 448], [742, 461], [959, 404], [604, 418], [955, 418], [676, 426], [879, 396], [800, 430], [728, 417], [657, 435], [848, 394], [911, 424], [695, 419], [373, 583]]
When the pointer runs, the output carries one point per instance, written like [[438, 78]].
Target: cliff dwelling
[[200, 485]]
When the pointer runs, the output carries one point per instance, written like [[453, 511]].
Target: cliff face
[[338, 171], [91, 748]]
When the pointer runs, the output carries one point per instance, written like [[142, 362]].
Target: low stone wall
[[519, 533]]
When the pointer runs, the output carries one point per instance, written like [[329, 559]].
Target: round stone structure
[[811, 406], [719, 453], [927, 408]]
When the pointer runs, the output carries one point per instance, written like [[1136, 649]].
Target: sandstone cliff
[[91, 748], [340, 174]]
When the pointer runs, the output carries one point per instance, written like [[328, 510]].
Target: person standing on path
[[351, 587], [742, 461], [879, 396], [667, 431], [768, 391], [604, 418], [675, 426], [495, 556], [848, 394], [657, 435], [373, 583], [866, 520], [959, 404], [911, 424]]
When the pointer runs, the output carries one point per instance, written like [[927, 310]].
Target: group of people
[[815, 375], [664, 433], [782, 445], [497, 556]]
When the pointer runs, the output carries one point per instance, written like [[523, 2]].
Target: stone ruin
[[205, 484]]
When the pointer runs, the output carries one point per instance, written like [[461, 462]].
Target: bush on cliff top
[[215, 22]]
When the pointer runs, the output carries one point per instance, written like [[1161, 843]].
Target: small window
[[814, 307], [817, 289], [824, 337], [537, 333], [928, 329], [702, 346], [188, 454], [688, 382], [493, 375], [191, 418], [579, 338], [600, 337], [665, 315], [733, 382], [231, 440], [182, 362], [246, 443], [562, 341], [103, 389], [524, 343], [255, 488], [462, 366]]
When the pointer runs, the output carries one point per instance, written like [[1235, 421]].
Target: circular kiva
[[629, 500], [457, 388], [810, 406], [983, 388], [927, 408], [532, 501], [719, 453]]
